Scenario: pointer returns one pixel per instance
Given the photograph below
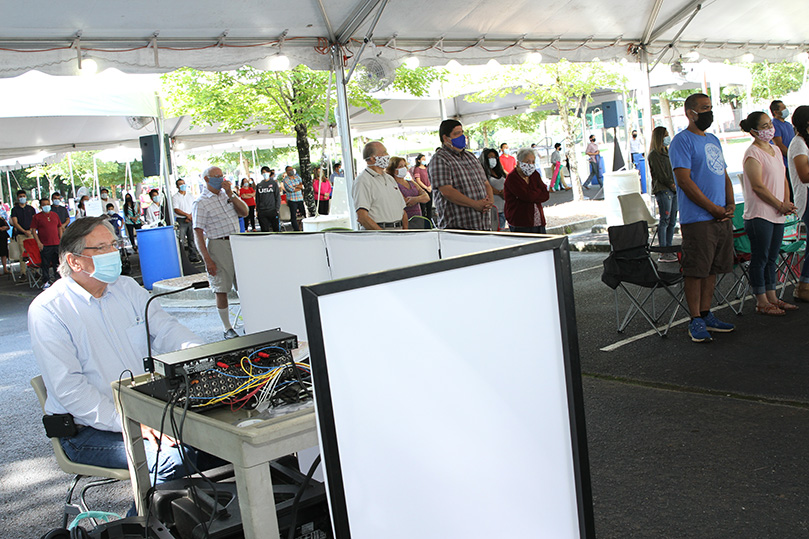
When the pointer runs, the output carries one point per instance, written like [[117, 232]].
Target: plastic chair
[[634, 209], [739, 287], [108, 475], [630, 263], [791, 254], [420, 222], [33, 260]]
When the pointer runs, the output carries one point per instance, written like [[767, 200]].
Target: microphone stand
[[148, 361]]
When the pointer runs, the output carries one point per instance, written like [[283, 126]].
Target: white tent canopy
[[157, 36]]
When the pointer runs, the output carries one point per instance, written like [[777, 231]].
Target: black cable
[[150, 496], [298, 374], [148, 361], [191, 465], [298, 495]]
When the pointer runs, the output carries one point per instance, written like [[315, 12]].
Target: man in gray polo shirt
[[377, 199]]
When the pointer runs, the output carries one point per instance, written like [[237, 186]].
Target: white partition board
[[460, 243], [270, 270], [452, 425], [353, 254]]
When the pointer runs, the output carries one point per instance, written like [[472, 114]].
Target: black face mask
[[634, 135], [704, 119]]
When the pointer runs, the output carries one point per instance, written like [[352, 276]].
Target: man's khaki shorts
[[707, 248], [225, 278]]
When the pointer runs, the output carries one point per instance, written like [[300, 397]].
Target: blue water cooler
[[159, 259]]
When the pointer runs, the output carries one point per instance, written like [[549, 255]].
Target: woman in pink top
[[766, 203], [422, 179], [322, 188]]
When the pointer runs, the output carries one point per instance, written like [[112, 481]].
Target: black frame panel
[[570, 348]]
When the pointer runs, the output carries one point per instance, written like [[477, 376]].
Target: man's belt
[[395, 224]]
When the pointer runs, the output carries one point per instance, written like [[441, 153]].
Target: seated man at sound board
[[87, 331]]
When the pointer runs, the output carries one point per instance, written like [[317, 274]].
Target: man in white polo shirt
[[377, 199], [215, 215], [183, 205]]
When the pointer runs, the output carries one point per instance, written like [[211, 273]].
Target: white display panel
[[355, 254], [452, 425], [270, 270], [459, 243]]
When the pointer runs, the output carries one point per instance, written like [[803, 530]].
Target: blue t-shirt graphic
[[703, 157]]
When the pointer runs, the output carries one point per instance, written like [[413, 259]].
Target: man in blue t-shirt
[[706, 202], [784, 133]]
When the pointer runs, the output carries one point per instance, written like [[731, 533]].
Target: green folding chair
[[735, 286]]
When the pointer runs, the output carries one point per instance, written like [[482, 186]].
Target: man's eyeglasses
[[113, 246]]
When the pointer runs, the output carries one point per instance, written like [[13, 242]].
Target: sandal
[[769, 309], [781, 304]]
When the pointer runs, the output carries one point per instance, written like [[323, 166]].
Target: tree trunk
[[485, 136], [665, 110], [302, 142], [571, 153]]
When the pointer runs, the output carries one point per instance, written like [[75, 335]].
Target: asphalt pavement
[[686, 440]]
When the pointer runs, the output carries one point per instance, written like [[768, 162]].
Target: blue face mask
[[182, 188], [216, 182], [57, 202], [22, 200], [46, 208], [667, 140], [459, 142], [784, 113], [107, 267]]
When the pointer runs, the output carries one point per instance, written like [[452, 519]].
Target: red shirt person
[[47, 230], [508, 161]]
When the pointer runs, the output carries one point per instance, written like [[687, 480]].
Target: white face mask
[[401, 172], [266, 175], [492, 162], [527, 168]]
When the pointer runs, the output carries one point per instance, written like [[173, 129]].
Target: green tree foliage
[[775, 80], [292, 101], [110, 174], [527, 122], [568, 85]]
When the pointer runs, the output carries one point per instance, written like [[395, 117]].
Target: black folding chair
[[631, 268]]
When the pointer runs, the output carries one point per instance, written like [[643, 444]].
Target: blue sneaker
[[698, 332], [714, 324]]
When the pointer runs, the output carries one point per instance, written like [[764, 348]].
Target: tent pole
[[70, 167], [648, 124], [96, 188], [345, 130], [8, 182], [164, 167]]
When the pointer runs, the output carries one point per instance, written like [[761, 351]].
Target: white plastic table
[[250, 449]]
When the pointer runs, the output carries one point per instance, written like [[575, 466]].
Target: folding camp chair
[[630, 268], [735, 286], [634, 208], [791, 254], [33, 260]]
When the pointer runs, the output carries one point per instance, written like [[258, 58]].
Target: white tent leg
[[345, 131], [648, 123], [164, 168]]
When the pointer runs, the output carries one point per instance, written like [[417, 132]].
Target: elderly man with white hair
[[215, 215]]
